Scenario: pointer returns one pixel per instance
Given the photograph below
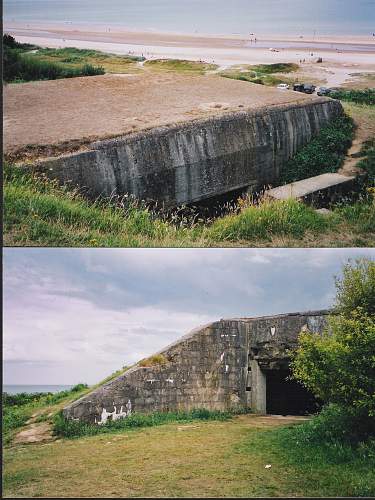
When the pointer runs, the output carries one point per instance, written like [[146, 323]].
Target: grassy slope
[[196, 459], [72, 57], [180, 65], [38, 213], [264, 74]]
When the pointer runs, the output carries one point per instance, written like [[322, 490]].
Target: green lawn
[[195, 459]]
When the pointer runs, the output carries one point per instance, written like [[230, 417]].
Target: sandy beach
[[341, 56]]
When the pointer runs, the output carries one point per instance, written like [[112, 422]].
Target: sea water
[[271, 17], [17, 389]]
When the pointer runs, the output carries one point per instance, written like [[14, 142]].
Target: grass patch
[[74, 429], [48, 212], [261, 74], [270, 218], [328, 468], [72, 58], [180, 65], [20, 65], [360, 215], [325, 153], [209, 459], [155, 360], [275, 68], [40, 213]]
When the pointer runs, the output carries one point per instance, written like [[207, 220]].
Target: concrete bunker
[[228, 364], [195, 160]]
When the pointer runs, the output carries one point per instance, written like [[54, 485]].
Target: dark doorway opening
[[288, 397]]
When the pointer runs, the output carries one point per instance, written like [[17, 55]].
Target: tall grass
[[268, 219], [23, 67], [39, 212], [74, 55], [181, 65], [72, 429]]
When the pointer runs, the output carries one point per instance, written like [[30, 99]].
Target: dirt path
[[364, 118], [35, 433]]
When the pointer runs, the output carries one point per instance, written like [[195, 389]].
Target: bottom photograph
[[188, 372]]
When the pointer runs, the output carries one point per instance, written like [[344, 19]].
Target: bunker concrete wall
[[196, 159], [213, 367]]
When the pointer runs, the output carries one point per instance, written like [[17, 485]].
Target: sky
[[77, 315]]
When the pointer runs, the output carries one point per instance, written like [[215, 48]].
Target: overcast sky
[[77, 315]]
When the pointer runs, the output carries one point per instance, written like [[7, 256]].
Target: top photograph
[[165, 123]]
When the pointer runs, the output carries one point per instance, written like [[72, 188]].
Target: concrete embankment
[[196, 159]]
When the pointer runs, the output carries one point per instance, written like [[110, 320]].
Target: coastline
[[342, 56]]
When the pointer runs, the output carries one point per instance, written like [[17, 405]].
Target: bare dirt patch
[[35, 433]]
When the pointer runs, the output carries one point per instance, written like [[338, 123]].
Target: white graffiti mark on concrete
[[105, 415]]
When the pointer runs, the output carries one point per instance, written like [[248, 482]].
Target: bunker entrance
[[287, 397]]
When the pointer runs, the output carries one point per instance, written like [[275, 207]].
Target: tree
[[339, 366]]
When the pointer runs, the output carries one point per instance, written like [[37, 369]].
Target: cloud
[[77, 314]]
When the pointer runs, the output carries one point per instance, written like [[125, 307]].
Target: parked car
[[298, 87], [306, 88], [309, 88], [324, 91], [283, 86]]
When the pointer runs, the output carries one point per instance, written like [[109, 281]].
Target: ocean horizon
[[31, 388], [241, 17]]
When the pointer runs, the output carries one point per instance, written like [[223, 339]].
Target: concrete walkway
[[320, 184]]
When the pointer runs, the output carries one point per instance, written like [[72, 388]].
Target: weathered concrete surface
[[218, 366], [198, 159], [313, 189]]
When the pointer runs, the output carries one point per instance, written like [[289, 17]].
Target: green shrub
[[25, 67], [325, 153], [366, 96], [9, 42], [338, 367], [23, 398], [335, 424]]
